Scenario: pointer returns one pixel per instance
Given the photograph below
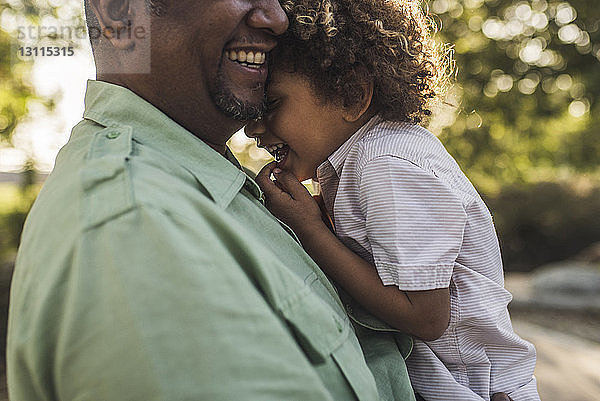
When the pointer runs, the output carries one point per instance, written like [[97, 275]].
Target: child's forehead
[[293, 85], [281, 79]]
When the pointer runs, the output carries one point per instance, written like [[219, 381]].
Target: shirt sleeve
[[414, 223], [160, 310]]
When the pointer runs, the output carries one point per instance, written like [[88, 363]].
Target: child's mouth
[[279, 151]]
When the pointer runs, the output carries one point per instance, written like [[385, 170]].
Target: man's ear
[[115, 20], [356, 111]]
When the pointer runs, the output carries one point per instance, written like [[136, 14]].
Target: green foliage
[[544, 222], [9, 197], [15, 202], [14, 91], [15, 87], [528, 86]]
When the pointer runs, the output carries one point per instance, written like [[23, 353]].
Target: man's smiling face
[[239, 89], [212, 55]]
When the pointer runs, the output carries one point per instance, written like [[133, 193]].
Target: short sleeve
[[414, 223]]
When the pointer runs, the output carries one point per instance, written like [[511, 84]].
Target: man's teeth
[[242, 56]]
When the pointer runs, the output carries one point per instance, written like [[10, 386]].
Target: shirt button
[[113, 135]]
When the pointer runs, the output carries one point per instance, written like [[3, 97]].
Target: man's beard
[[233, 107], [157, 7]]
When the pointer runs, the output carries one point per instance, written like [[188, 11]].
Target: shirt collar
[[112, 105], [338, 157]]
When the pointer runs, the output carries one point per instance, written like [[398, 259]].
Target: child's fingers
[[291, 185], [275, 193], [270, 188], [263, 178], [501, 397]]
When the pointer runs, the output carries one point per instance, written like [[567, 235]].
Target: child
[[349, 81]]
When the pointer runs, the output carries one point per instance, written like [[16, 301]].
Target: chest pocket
[[326, 338], [373, 325], [318, 329]]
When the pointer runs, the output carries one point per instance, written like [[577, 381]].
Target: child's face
[[297, 129]]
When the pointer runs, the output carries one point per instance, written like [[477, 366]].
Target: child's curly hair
[[339, 44]]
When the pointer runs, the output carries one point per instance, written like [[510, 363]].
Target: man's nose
[[268, 14]]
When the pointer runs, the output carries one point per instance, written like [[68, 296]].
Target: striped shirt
[[401, 202]]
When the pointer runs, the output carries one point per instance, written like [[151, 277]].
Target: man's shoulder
[[88, 172], [106, 182], [108, 172]]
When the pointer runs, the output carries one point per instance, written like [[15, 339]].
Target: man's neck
[[209, 124]]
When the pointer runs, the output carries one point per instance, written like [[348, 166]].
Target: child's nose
[[254, 129]]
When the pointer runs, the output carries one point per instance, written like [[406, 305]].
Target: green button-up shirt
[[150, 270]]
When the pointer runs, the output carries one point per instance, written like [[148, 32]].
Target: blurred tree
[[15, 89], [34, 23], [544, 222], [528, 85], [20, 22]]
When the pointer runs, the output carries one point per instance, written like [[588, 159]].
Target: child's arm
[[424, 314]]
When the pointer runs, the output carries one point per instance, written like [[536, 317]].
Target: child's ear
[[356, 111], [114, 18]]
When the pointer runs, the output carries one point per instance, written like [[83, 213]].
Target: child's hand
[[501, 397], [289, 200]]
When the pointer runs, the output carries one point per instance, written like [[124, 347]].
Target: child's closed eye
[[272, 104]]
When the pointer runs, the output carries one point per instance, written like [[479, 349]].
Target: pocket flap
[[318, 329]]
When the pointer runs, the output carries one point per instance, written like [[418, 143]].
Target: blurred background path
[[566, 332], [568, 367]]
